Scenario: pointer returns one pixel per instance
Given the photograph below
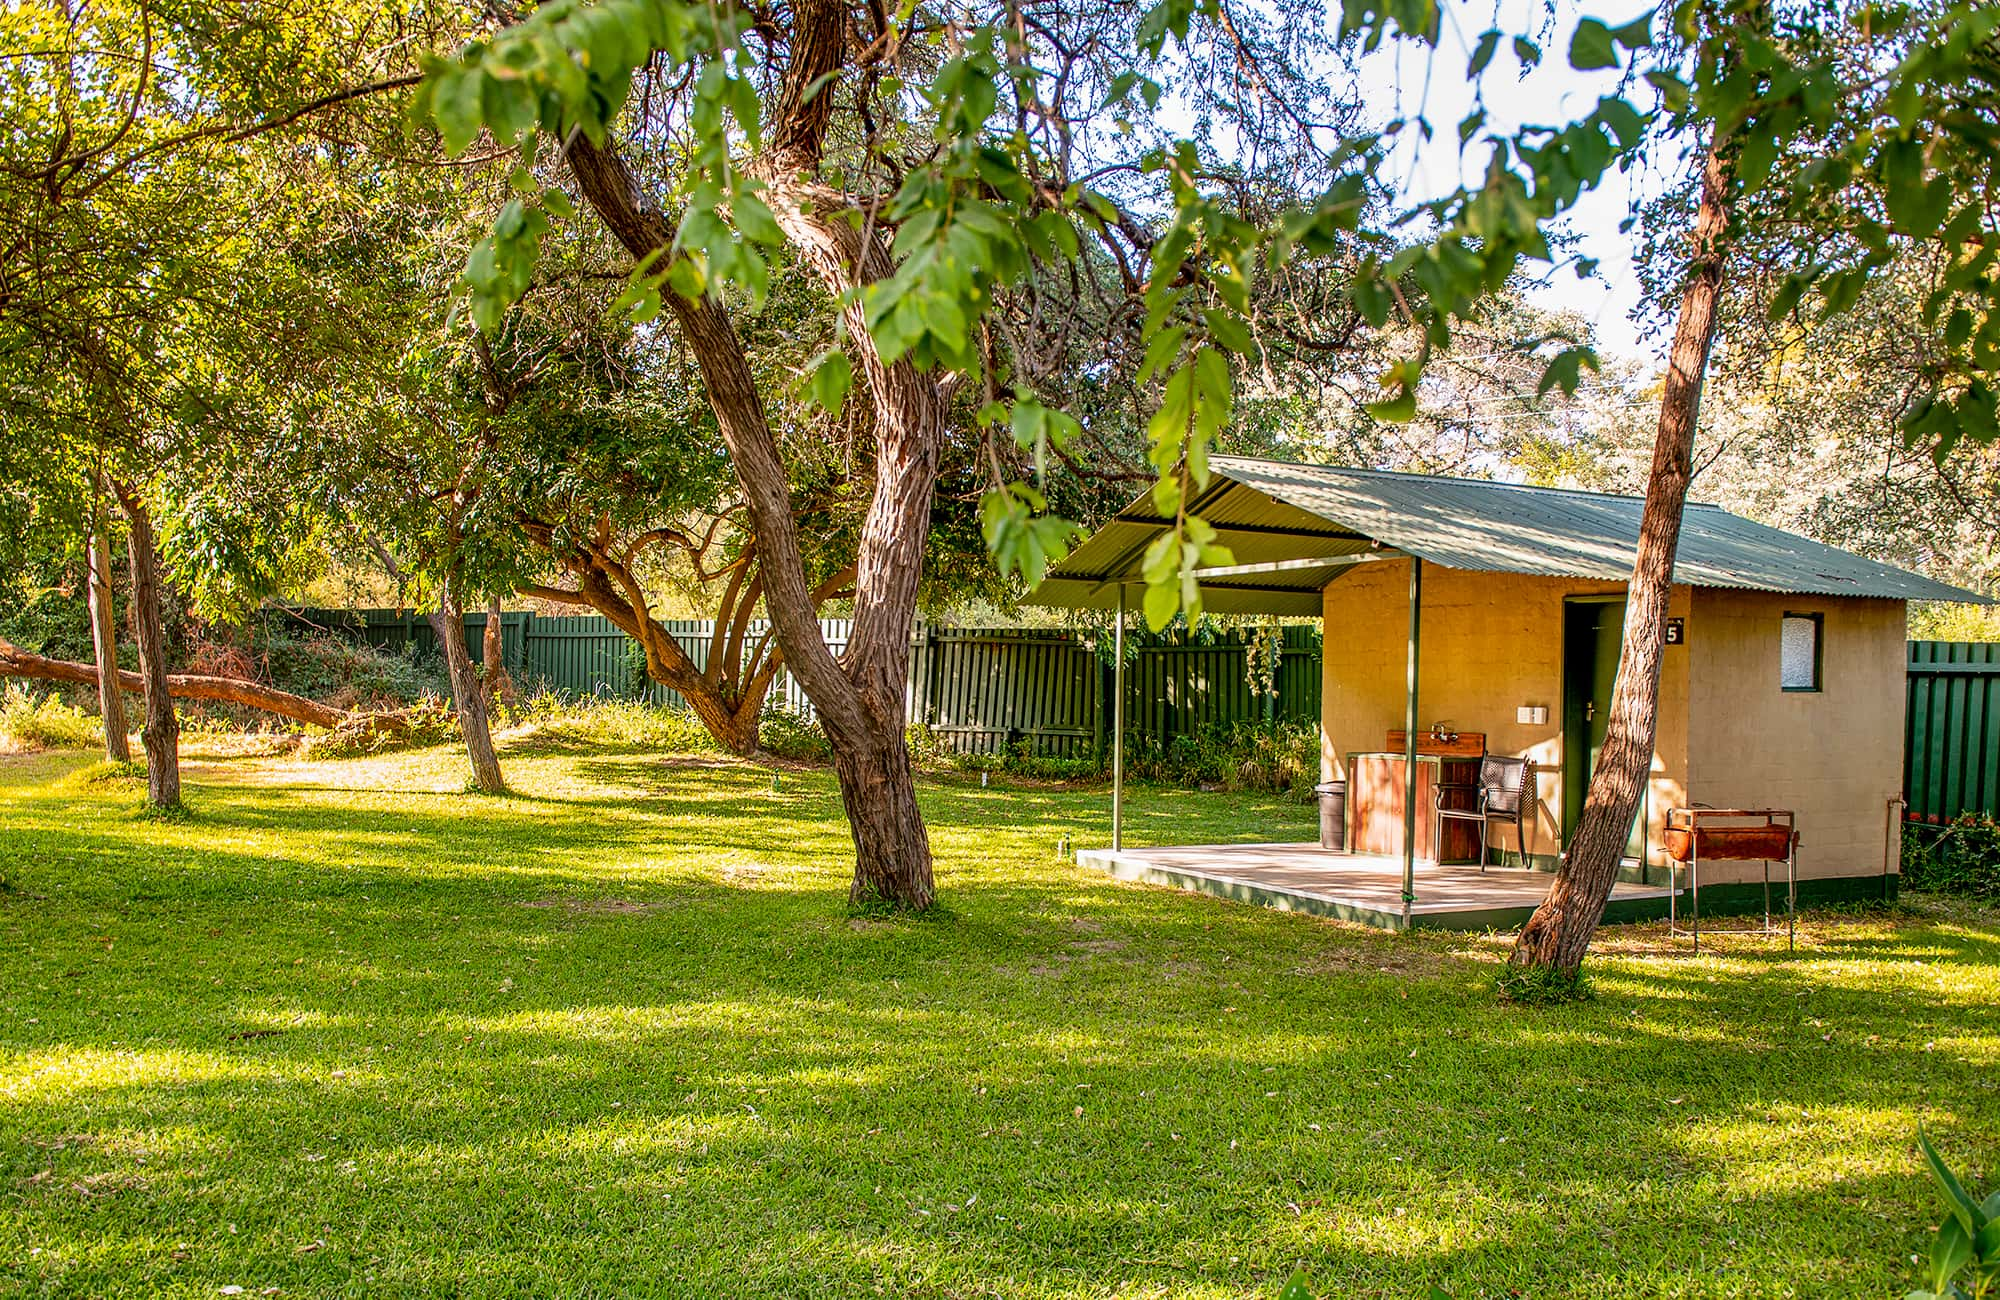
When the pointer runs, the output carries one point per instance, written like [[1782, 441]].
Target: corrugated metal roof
[[1269, 511]]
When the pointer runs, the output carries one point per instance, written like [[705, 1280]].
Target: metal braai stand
[[1696, 835]]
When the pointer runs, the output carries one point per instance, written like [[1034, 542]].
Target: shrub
[[1278, 757], [430, 721], [1050, 767], [350, 675], [786, 733], [613, 723], [32, 719], [1275, 757], [1961, 858]]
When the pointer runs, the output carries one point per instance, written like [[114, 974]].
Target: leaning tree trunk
[[467, 697], [1558, 935], [162, 734], [104, 640], [16, 662], [859, 696], [500, 689]]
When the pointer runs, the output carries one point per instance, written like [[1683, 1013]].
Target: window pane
[[1798, 658]]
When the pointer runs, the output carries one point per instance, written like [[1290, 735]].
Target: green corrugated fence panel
[[1951, 738], [983, 690]]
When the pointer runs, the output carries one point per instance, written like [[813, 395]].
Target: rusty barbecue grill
[[1696, 835]]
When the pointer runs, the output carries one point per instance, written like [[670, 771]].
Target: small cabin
[[1782, 684]]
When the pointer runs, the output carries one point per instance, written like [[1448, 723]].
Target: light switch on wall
[[1532, 715]]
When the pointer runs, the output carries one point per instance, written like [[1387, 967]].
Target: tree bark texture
[[104, 641], [892, 860], [859, 697], [468, 696], [162, 733], [500, 689], [1558, 935]]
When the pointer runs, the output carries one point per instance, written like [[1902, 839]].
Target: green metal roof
[[1279, 519]]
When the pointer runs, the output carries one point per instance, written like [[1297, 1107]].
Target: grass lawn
[[350, 1031]]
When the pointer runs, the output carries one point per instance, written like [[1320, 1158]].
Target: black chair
[[1506, 793]]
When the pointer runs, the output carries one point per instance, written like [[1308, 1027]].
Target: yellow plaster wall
[[1833, 756], [1491, 642]]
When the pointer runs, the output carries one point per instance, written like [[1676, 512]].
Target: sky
[[1403, 81]]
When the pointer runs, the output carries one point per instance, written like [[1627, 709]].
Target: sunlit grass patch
[[350, 1030]]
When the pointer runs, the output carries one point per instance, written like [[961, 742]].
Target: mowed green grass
[[349, 1030]]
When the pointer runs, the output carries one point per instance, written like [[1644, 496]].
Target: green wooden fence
[[980, 690], [1951, 741], [984, 690]]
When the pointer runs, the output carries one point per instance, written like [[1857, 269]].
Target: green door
[[1593, 632]]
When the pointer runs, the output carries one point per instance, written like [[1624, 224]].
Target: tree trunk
[[104, 639], [162, 734], [500, 689], [859, 696], [892, 858], [731, 718], [1558, 935], [467, 697], [16, 662]]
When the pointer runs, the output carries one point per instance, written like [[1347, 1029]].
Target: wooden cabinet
[[1376, 787]]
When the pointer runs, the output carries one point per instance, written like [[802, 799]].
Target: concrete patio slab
[[1356, 887]]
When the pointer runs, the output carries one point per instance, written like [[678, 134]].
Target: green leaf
[[1963, 1207], [1399, 409], [1228, 329], [754, 218], [1527, 51], [1957, 333], [830, 381], [1295, 1288], [1625, 121], [1637, 34], [1590, 46], [1759, 150], [1673, 91], [1916, 207], [687, 278], [1161, 349], [1482, 54], [458, 107], [1786, 300], [1951, 1251]]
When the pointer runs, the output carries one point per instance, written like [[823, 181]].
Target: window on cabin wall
[[1799, 652]]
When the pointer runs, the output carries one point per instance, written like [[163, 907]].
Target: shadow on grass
[[1065, 1086]]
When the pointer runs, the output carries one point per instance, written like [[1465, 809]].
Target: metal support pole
[[1118, 726], [1410, 743]]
